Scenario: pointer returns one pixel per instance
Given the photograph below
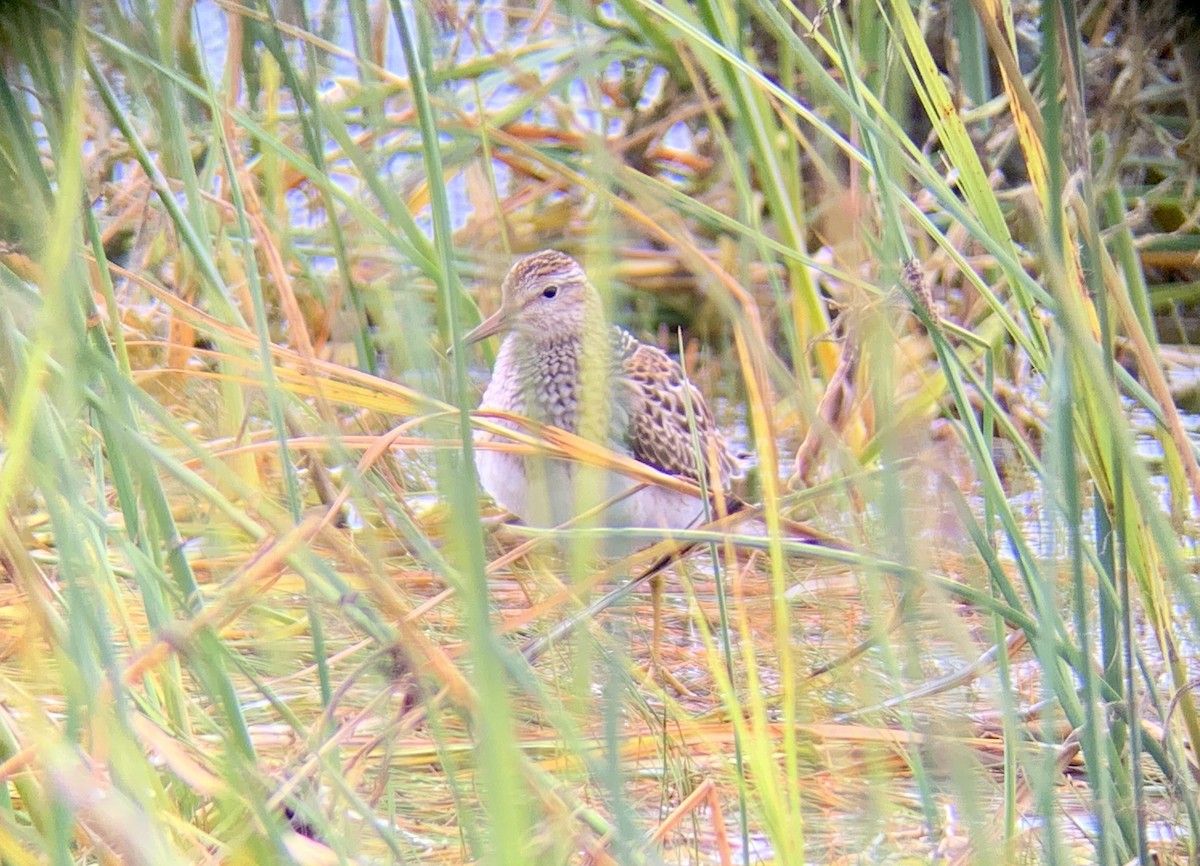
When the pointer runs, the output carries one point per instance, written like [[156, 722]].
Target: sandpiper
[[562, 364]]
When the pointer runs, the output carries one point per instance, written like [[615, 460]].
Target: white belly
[[547, 493]]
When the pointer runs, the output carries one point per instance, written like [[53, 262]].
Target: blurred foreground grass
[[251, 611]]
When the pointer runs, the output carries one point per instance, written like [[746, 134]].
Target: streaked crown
[[537, 273]]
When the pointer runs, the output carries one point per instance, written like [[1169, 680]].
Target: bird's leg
[[656, 589], [657, 670]]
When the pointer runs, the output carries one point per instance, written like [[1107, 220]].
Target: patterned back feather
[[657, 398]]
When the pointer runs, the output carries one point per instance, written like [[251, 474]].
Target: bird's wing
[[657, 397]]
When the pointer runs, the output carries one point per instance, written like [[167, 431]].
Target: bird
[[561, 363]]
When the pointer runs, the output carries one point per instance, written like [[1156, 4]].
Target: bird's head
[[546, 297]]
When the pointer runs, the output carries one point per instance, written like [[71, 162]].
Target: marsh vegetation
[[254, 606]]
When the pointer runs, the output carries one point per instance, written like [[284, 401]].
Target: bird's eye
[[549, 291]]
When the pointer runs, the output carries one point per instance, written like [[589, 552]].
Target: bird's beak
[[493, 324]]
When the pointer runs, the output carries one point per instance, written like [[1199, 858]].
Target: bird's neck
[[564, 378]]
